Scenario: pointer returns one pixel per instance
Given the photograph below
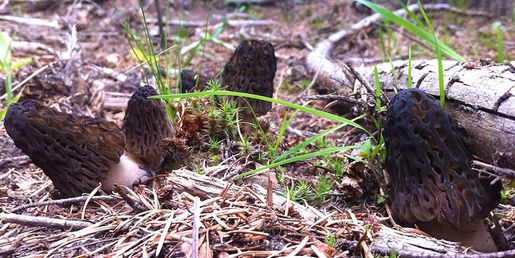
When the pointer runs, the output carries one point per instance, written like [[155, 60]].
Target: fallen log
[[332, 76], [415, 245], [479, 98]]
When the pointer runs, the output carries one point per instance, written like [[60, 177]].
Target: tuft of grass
[[331, 240], [214, 145], [393, 253], [228, 110], [323, 189], [245, 143], [338, 166], [324, 152], [507, 194], [303, 191]]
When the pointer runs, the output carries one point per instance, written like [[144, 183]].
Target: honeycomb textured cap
[[428, 166], [251, 69], [189, 81], [145, 125], [75, 152]]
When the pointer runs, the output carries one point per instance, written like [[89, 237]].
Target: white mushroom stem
[[126, 172]]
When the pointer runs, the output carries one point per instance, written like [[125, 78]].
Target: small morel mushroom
[[189, 81], [430, 179], [251, 69], [75, 152], [146, 125]]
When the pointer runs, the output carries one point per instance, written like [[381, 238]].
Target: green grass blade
[[412, 15], [259, 97], [378, 88], [409, 82], [311, 140], [500, 46], [323, 152], [438, 57], [287, 121], [415, 30], [394, 74]]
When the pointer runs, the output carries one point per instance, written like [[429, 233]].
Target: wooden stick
[[138, 207], [31, 21], [331, 97], [505, 173], [63, 202], [37, 221]]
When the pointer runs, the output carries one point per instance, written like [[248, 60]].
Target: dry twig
[[67, 201], [37, 221]]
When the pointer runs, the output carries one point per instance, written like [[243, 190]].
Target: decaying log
[[480, 100], [332, 76], [406, 244], [416, 245]]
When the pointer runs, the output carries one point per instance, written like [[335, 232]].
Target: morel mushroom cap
[[189, 81], [75, 152], [251, 69], [428, 166], [145, 125]]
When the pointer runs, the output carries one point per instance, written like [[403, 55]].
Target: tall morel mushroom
[[75, 152], [145, 125], [431, 182], [251, 69]]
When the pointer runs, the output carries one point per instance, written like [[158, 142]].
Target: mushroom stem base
[[126, 172], [473, 234]]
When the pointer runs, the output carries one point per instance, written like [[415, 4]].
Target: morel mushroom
[[191, 80], [431, 182], [145, 125], [251, 69], [75, 152]]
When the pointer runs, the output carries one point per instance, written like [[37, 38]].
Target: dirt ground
[[88, 69]]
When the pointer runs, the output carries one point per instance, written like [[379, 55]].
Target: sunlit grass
[[415, 29]]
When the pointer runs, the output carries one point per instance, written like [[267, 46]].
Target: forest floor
[[334, 205]]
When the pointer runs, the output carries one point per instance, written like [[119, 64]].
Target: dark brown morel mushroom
[[251, 69], [191, 81], [145, 125], [75, 152], [431, 182]]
